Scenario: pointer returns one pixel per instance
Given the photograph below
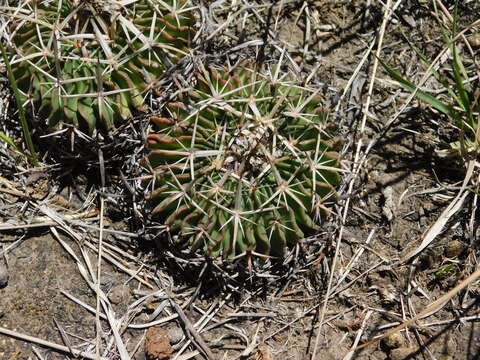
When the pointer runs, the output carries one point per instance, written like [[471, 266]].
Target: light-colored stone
[[3, 276], [474, 40], [175, 334]]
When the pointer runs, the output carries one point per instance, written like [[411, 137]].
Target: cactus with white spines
[[91, 63], [243, 163]]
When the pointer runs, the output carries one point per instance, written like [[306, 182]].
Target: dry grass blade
[[60, 221], [82, 304], [188, 355], [203, 347], [154, 323], [99, 259], [386, 17], [451, 210], [359, 335], [86, 270], [51, 345], [429, 309]]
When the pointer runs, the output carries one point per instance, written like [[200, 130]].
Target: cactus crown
[[89, 63], [243, 163]]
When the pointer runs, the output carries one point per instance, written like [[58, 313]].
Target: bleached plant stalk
[[91, 63], [244, 163]]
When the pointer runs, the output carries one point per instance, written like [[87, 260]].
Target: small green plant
[[244, 163], [461, 103], [91, 63]]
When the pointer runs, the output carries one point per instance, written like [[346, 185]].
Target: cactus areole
[[244, 163], [91, 63]]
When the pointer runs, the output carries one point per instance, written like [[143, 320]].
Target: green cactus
[[244, 163], [90, 63]]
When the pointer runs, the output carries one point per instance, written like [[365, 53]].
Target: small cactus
[[90, 63], [244, 163]]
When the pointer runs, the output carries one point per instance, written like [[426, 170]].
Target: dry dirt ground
[[278, 312]]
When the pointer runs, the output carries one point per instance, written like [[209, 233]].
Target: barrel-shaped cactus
[[90, 63], [244, 163]]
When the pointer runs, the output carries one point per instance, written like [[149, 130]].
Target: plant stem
[[8, 141], [21, 111]]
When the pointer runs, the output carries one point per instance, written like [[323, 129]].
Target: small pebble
[[474, 40], [394, 341], [454, 249], [3, 276], [175, 334], [410, 20]]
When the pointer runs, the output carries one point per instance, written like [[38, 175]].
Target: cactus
[[244, 163], [90, 63]]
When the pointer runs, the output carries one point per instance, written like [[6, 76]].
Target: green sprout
[[446, 271], [461, 103]]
